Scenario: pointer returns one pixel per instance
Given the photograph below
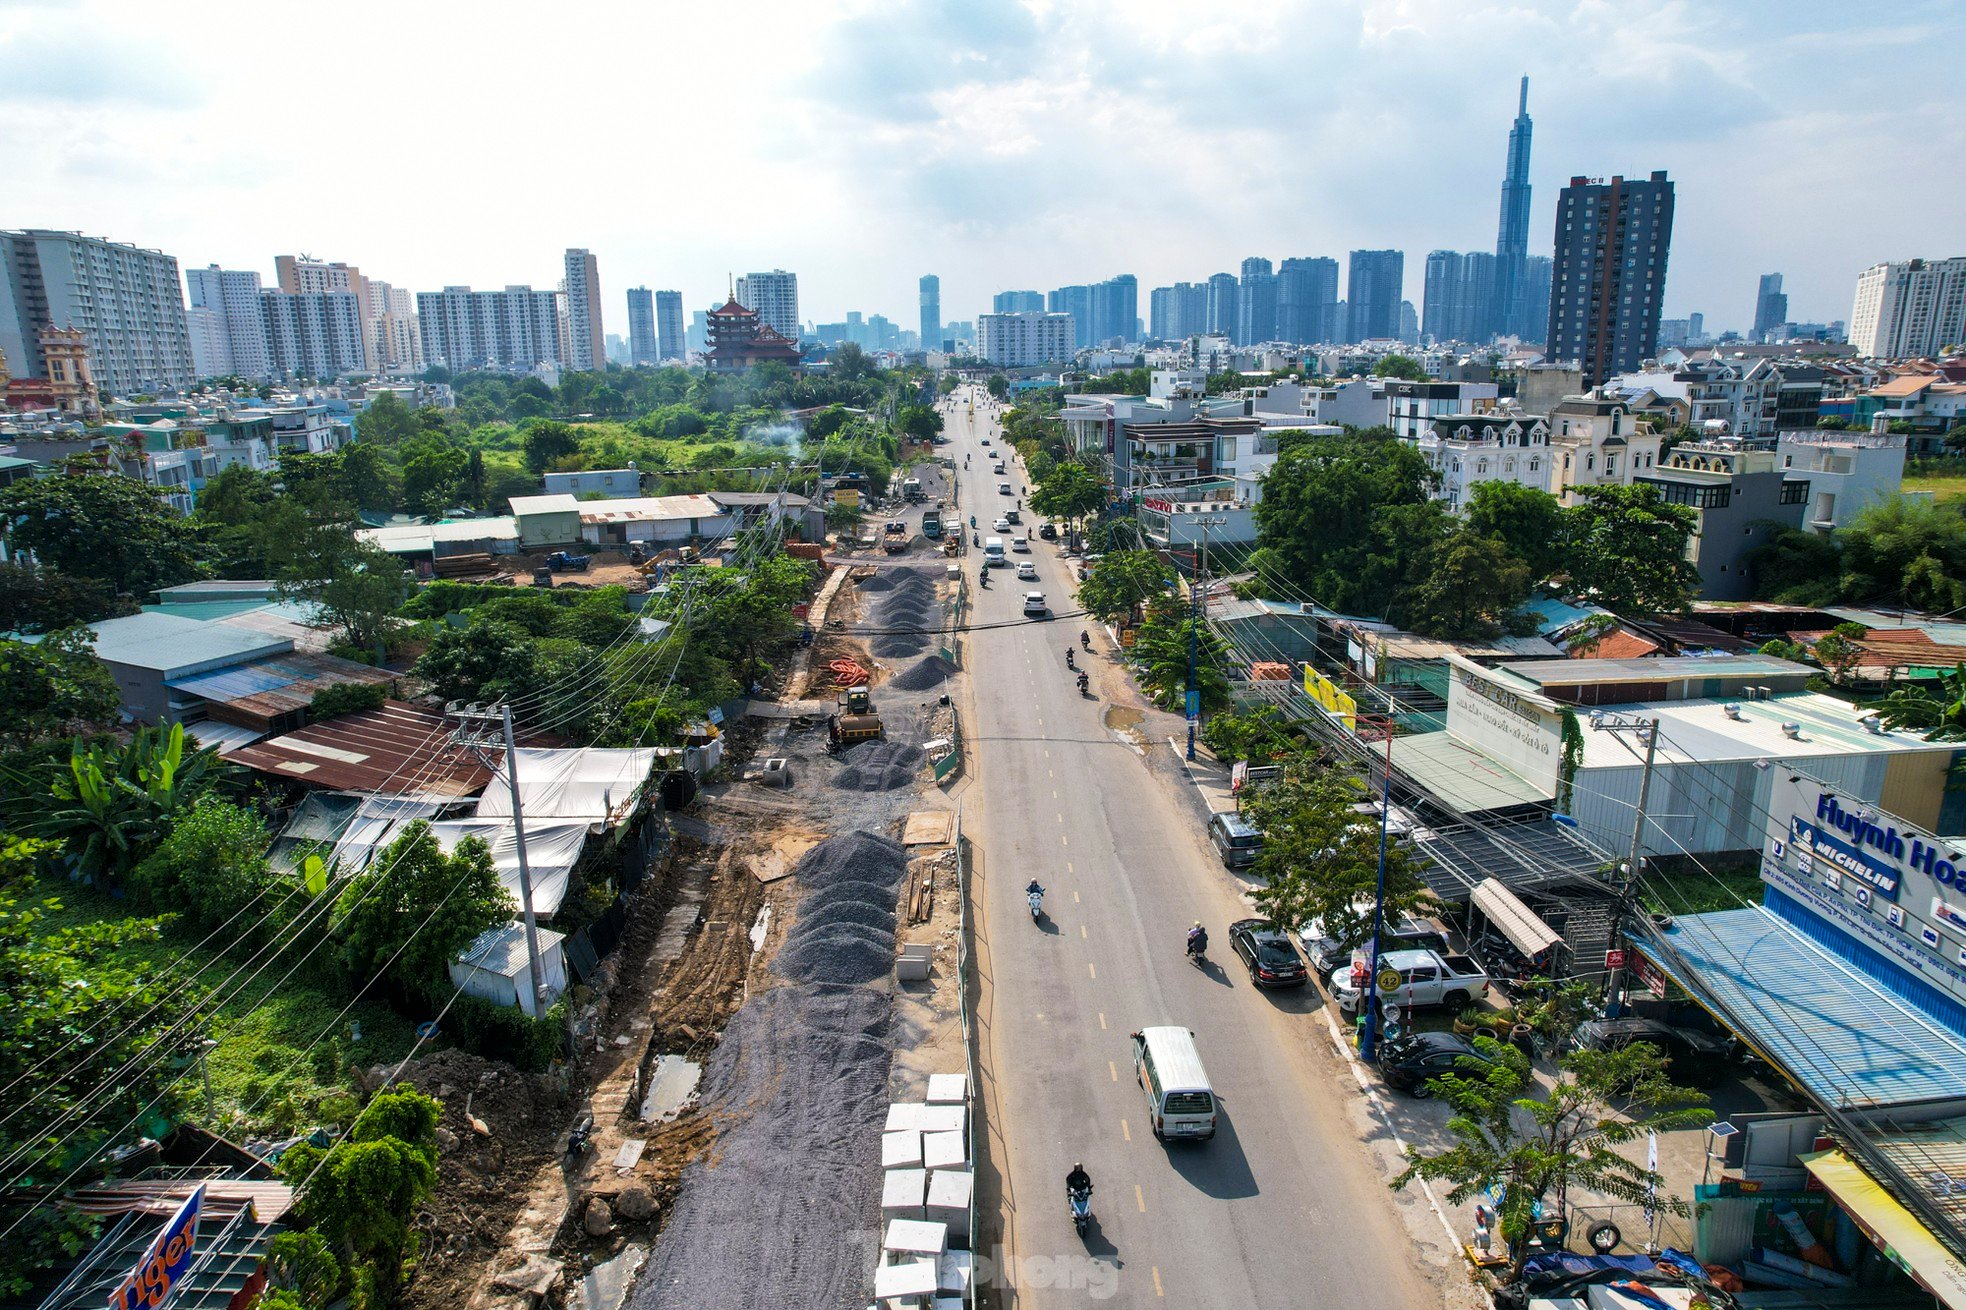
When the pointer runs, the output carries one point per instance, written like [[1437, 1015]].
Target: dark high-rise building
[[1178, 312], [1076, 301], [1609, 278], [1512, 303], [1441, 306], [1460, 296], [931, 287], [1221, 305], [1307, 299], [1771, 308], [641, 326], [1256, 303], [1536, 299], [1372, 294], [1017, 302], [671, 343], [1115, 309]]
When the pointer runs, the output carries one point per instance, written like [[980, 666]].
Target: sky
[[996, 145]]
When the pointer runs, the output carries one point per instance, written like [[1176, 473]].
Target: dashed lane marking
[[1157, 1287], [1113, 1069], [1082, 938], [1140, 1198], [1102, 1020], [1125, 1132], [1090, 971]]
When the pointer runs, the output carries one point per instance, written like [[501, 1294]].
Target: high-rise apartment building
[[228, 323], [395, 345], [642, 348], [1025, 340], [315, 334], [775, 296], [1372, 294], [1307, 300], [1073, 300], [1115, 309], [1256, 303], [1609, 279], [515, 330], [1178, 312], [1771, 308], [931, 289], [298, 275], [1513, 307], [1536, 299], [1459, 302], [669, 325], [126, 302], [1017, 302], [1223, 294], [1909, 308], [586, 344]]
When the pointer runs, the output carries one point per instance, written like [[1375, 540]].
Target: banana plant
[[115, 805]]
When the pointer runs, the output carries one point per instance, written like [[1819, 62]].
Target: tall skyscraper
[[1372, 294], [669, 325], [1536, 299], [1073, 300], [1511, 304], [126, 302], [228, 323], [775, 295], [1460, 296], [1771, 308], [1223, 292], [1907, 309], [1256, 303], [1609, 279], [301, 275], [1115, 309], [1179, 311], [642, 347], [1307, 294], [931, 287], [1017, 302], [586, 349]]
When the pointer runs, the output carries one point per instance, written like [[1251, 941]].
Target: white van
[[1180, 1101], [1020, 542], [993, 553]]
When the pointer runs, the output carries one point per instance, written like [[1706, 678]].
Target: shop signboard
[[1333, 698]]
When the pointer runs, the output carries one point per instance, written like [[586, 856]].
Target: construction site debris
[[878, 766]]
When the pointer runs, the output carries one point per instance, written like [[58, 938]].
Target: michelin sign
[[1869, 876]]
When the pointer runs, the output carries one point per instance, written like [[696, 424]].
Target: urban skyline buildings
[[585, 347], [1017, 302], [775, 297], [642, 347], [127, 302], [1612, 241], [670, 342], [1372, 294], [1256, 303], [931, 302], [1909, 307], [1507, 312], [1771, 308]]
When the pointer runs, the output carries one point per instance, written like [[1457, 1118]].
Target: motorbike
[[983, 578], [1085, 640], [579, 1140], [976, 539], [1071, 661], [1036, 901], [1198, 952], [972, 520], [1081, 1202], [1085, 685]]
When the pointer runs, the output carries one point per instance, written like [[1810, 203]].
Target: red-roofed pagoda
[[739, 339]]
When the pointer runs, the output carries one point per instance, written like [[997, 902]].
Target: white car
[[1027, 571], [1035, 606], [1003, 489], [1003, 523]]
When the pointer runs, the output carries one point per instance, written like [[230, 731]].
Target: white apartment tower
[[1911, 308], [515, 330], [228, 323], [586, 348], [127, 303], [775, 295], [1025, 340]]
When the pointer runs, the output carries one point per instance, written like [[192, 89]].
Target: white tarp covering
[[378, 821], [552, 849], [595, 785]]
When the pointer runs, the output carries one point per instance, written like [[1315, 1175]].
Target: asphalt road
[[1287, 1206]]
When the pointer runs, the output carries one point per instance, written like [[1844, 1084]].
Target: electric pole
[[1196, 609], [1628, 872], [478, 740]]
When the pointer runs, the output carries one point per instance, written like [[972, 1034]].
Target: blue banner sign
[[165, 1261]]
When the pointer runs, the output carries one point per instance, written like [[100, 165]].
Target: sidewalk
[[1208, 775]]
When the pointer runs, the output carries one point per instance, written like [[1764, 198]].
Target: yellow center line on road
[[1090, 971], [1157, 1288], [1113, 1069], [1140, 1198]]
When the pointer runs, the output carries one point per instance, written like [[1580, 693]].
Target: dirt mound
[[931, 672], [854, 856], [880, 581], [879, 766]]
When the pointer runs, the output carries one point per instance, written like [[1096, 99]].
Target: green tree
[[358, 587], [54, 688], [102, 526], [1795, 567], [1838, 650], [483, 662], [547, 443], [919, 422], [1320, 856], [1628, 550], [411, 912], [998, 386], [1121, 580], [1532, 1146], [362, 1195], [1935, 707], [1257, 736], [1069, 491], [116, 802], [303, 1265], [211, 866], [40, 600], [1528, 521], [1463, 586], [386, 421], [1908, 552], [1327, 523], [1403, 367], [1161, 650]]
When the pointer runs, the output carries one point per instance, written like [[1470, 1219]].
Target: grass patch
[[1943, 486], [1678, 886], [269, 1073]]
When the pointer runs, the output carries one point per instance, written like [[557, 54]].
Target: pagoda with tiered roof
[[739, 338]]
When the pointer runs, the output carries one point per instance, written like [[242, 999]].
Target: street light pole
[[1196, 610], [1614, 981], [1368, 1046]]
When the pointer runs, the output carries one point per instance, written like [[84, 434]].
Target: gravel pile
[[882, 580], [898, 645], [854, 857], [866, 912], [798, 1091], [878, 766], [931, 672], [842, 953]]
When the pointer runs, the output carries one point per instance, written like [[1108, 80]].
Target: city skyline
[[994, 118]]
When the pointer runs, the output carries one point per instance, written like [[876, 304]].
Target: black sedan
[[1410, 1063], [1266, 949]]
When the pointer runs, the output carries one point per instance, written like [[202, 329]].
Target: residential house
[[1847, 471], [1499, 445], [1597, 441], [1742, 499]]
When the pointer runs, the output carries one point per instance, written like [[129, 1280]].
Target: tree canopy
[[54, 688], [410, 913], [1123, 579], [114, 529], [1627, 550], [1327, 519]]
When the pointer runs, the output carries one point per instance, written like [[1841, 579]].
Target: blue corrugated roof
[[1552, 613], [1832, 1025]]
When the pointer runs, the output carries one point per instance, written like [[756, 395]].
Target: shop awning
[[1896, 1230], [1514, 920]]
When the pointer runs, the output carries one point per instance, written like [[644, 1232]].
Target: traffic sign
[[1388, 981], [1194, 703], [1614, 959]]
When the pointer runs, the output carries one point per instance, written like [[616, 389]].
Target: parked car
[[1048, 532], [1426, 978], [1267, 953], [1693, 1057], [1411, 1063], [1327, 953], [1236, 839], [1026, 571]]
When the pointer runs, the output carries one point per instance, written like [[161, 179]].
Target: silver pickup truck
[[1426, 978]]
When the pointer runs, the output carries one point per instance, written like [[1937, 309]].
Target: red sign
[[1155, 503], [1648, 973], [1614, 959]]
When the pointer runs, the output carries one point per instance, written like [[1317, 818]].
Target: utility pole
[[478, 740], [1196, 610], [1368, 1046], [1628, 872]]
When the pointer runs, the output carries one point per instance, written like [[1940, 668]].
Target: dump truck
[[561, 561], [932, 524], [895, 539]]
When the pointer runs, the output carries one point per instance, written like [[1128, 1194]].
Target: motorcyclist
[[1085, 639], [1071, 660], [975, 538], [983, 577], [1197, 939], [1078, 1180], [1084, 682], [1035, 889]]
